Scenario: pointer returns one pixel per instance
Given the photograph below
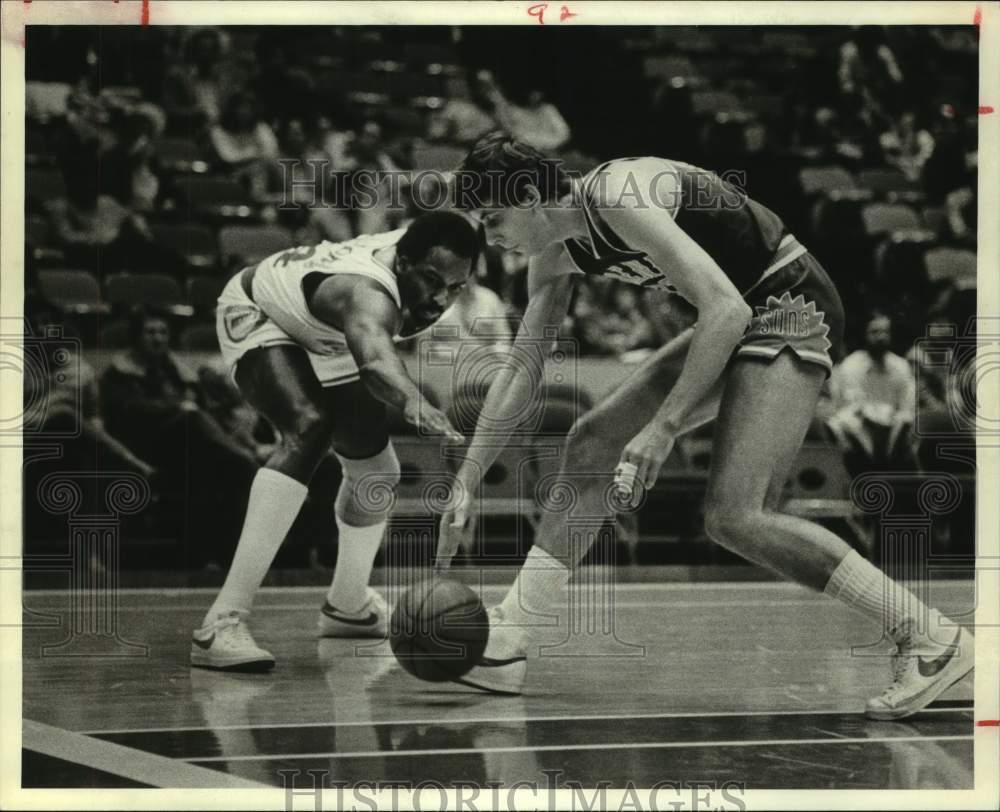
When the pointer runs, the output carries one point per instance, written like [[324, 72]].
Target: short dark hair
[[139, 315], [498, 170], [439, 229]]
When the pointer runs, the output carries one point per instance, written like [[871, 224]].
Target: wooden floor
[[752, 683]]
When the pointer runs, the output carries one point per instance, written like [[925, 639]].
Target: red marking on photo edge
[[977, 18], [144, 18], [988, 723], [985, 110]]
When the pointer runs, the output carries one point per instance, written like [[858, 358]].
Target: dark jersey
[[741, 235]]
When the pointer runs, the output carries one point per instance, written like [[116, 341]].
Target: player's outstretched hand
[[457, 526], [429, 420], [642, 460]]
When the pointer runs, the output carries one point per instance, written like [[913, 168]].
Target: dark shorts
[[798, 308]]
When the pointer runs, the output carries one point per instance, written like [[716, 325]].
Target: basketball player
[[769, 326], [309, 337]]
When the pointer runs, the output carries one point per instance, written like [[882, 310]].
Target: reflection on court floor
[[748, 683]]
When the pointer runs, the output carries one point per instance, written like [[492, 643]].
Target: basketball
[[439, 629]]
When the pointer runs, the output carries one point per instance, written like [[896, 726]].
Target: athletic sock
[[538, 586], [864, 587], [275, 500], [356, 551]]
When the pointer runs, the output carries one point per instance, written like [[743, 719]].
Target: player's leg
[[280, 383], [763, 418], [589, 456], [370, 475]]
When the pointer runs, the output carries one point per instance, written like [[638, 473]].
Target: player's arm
[[549, 291], [370, 319], [646, 222]]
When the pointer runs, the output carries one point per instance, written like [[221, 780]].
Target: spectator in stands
[[609, 320], [246, 145], [848, 137], [283, 89], [537, 123], [65, 398], [961, 211], [151, 402], [462, 120], [951, 164], [906, 145], [96, 231], [874, 375], [304, 163], [223, 401], [869, 74], [112, 136], [372, 204], [874, 398], [194, 89]]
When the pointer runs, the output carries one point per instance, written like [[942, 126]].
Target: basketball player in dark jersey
[[770, 325]]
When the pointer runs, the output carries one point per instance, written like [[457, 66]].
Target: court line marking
[[509, 719], [706, 586], [305, 607], [592, 746], [127, 762]]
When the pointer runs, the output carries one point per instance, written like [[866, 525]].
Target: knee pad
[[367, 490]]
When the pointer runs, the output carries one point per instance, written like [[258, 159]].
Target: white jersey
[[278, 281], [277, 312]]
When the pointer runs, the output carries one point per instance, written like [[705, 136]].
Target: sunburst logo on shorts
[[791, 318], [241, 320]]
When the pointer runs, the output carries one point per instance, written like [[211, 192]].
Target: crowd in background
[[120, 121]]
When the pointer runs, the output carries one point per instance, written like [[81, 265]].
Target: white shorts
[[241, 325]]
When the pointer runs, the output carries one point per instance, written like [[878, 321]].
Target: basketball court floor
[[753, 683]]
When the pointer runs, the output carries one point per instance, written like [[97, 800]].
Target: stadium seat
[[955, 265], [181, 155], [220, 198], [243, 245], [936, 219], [819, 473], [884, 218], [199, 337], [149, 289], [838, 213], [436, 156], [45, 100], [203, 291], [196, 244], [366, 88], [814, 180], [890, 184], [72, 291]]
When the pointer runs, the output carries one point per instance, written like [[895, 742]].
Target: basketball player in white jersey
[[769, 327], [309, 336]]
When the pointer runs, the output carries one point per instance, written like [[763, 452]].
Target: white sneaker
[[227, 645], [920, 676], [502, 668], [371, 620]]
